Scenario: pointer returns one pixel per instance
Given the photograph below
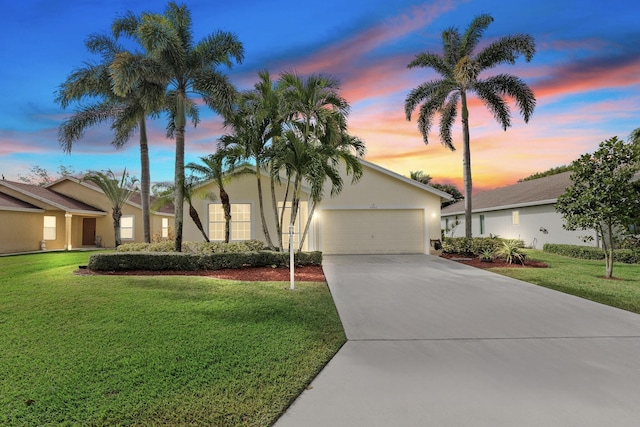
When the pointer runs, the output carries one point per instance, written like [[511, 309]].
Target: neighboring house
[[383, 213], [525, 211], [67, 214]]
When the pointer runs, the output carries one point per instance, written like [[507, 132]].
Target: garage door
[[371, 231]]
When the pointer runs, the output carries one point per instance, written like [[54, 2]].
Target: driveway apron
[[432, 342]]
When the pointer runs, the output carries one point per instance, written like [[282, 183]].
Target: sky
[[585, 75]]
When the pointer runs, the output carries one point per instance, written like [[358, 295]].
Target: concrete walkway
[[436, 343]]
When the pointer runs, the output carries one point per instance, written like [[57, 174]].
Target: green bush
[[628, 256], [195, 247], [475, 246], [181, 261]]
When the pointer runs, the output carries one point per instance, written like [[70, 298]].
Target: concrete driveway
[[436, 343]]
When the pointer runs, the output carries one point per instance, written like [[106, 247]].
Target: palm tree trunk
[[306, 227], [226, 206], [180, 123], [116, 215], [295, 201], [145, 180], [275, 211], [284, 204], [466, 161], [265, 228], [196, 220]]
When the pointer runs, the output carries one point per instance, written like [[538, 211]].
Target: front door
[[88, 231]]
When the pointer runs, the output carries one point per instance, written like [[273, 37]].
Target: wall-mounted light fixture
[[544, 230]]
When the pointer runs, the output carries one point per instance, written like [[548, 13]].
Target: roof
[[406, 180], [9, 203], [51, 198], [541, 191], [135, 199]]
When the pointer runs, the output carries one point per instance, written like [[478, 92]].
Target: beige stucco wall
[[376, 190], [241, 189], [20, 231]]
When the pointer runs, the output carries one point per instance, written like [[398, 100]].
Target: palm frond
[[506, 50], [472, 35], [509, 85]]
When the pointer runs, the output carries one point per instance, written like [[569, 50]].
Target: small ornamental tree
[[602, 195]]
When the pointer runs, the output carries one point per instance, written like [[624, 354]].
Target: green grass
[[583, 278], [136, 350]]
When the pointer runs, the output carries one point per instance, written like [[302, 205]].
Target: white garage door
[[371, 231]]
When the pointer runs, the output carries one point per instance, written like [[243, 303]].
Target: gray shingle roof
[[539, 191], [51, 197]]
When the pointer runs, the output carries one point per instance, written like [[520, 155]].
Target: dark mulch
[[249, 274], [474, 261]]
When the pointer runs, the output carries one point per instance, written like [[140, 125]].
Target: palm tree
[[183, 68], [459, 71], [165, 196], [254, 124], [126, 113], [420, 176], [118, 191]]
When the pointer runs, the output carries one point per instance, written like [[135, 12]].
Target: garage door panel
[[372, 231]]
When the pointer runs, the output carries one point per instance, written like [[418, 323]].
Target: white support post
[[291, 259]]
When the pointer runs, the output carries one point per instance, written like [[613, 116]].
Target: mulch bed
[[250, 274], [474, 261]]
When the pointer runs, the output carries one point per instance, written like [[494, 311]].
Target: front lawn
[[140, 350], [583, 278]]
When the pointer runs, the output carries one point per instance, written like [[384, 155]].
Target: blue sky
[[585, 74]]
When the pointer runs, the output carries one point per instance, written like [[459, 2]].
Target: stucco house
[[525, 210], [68, 214], [382, 213]]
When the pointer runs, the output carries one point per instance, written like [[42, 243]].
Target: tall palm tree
[[127, 113], [459, 71], [118, 191], [254, 124], [183, 68]]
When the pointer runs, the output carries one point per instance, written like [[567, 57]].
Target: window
[[515, 217], [240, 222], [481, 224], [49, 230], [126, 227], [165, 228]]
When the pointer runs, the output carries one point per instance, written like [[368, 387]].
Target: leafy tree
[[126, 112], [450, 189], [183, 68], [553, 171], [40, 176], [420, 176], [118, 191], [459, 71], [602, 195]]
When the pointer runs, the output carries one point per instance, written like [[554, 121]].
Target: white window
[[240, 222], [49, 231], [515, 217], [165, 228], [481, 224], [126, 227]]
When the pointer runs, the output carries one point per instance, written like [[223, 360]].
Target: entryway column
[[67, 231]]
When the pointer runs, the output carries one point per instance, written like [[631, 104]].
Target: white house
[[382, 213], [525, 211]]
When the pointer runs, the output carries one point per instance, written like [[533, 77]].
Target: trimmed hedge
[[627, 256], [159, 261], [195, 247], [474, 246]]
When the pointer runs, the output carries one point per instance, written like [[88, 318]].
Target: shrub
[[510, 251], [181, 261], [628, 256], [195, 247], [474, 246], [487, 255]]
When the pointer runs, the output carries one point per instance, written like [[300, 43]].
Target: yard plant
[[143, 350]]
